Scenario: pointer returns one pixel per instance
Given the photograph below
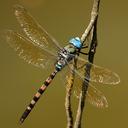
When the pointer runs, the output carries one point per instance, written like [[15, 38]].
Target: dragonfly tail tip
[[21, 121]]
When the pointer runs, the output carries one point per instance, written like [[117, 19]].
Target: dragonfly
[[39, 48]]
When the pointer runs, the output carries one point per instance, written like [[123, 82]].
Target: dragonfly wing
[[26, 50], [104, 75], [94, 96], [96, 74], [34, 31]]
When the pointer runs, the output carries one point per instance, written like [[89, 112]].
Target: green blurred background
[[64, 19]]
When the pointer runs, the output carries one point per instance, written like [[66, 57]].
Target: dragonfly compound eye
[[76, 42]]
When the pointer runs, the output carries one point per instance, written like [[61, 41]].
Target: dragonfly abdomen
[[37, 96]]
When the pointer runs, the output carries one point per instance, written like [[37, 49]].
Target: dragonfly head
[[76, 42]]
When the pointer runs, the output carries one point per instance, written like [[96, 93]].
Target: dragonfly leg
[[84, 47], [83, 53]]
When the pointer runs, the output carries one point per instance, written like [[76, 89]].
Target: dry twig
[[91, 28]]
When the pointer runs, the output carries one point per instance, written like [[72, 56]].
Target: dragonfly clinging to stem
[[39, 48]]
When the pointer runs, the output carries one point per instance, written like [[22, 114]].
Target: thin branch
[[70, 82], [68, 109], [92, 26], [94, 15]]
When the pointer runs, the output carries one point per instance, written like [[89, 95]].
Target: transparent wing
[[27, 50], [94, 96], [34, 31], [97, 74]]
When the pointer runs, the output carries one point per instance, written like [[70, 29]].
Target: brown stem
[[92, 26], [70, 82]]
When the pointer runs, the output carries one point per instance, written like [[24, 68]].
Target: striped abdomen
[[37, 96]]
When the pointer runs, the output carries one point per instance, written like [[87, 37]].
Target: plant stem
[[91, 27]]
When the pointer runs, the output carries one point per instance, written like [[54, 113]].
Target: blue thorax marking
[[76, 42], [58, 67]]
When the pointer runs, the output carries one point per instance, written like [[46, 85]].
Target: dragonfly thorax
[[70, 48], [64, 56]]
